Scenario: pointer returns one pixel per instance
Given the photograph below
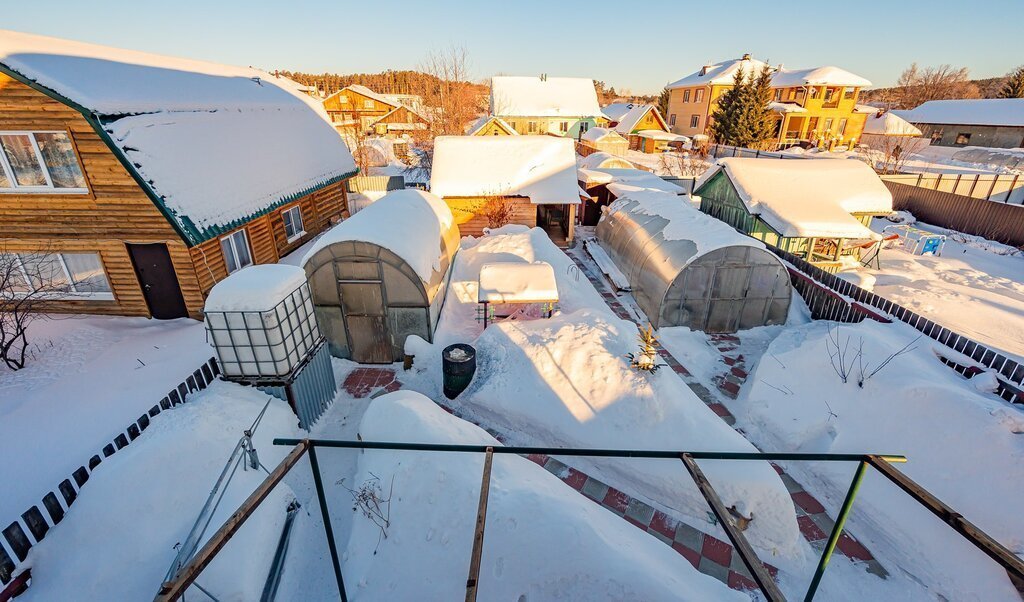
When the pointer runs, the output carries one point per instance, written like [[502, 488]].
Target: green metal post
[[837, 530], [327, 521]]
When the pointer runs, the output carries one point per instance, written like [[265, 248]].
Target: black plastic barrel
[[458, 364]]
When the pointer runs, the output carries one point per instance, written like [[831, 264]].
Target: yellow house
[[489, 125], [556, 106], [357, 107], [815, 107]]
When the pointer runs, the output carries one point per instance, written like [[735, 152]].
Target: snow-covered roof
[[481, 123], [622, 182], [602, 159], [616, 110], [544, 97], [724, 72], [217, 144], [513, 282], [542, 168], [255, 288], [364, 91], [661, 135], [888, 124], [630, 119], [684, 221], [808, 198], [786, 107], [817, 76], [601, 134], [981, 111], [409, 222]]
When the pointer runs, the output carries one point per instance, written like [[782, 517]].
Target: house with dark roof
[[135, 181]]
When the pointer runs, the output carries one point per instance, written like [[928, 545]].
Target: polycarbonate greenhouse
[[686, 268], [382, 275]]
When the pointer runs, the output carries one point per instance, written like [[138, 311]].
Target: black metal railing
[[175, 588]]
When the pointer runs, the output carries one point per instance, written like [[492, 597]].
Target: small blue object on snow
[[918, 242]]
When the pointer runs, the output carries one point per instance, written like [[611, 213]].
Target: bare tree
[[27, 282], [498, 211], [889, 154], [918, 85]]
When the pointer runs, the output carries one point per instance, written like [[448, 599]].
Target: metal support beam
[[473, 583], [984, 542], [757, 570], [837, 530], [328, 529], [173, 590]]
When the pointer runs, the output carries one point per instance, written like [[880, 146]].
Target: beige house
[[557, 106]]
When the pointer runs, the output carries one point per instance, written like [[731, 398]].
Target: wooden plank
[[984, 542], [473, 582], [173, 590], [761, 576]]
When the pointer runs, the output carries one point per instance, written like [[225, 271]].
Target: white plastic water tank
[[260, 321]]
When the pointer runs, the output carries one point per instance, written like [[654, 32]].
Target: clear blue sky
[[638, 46]]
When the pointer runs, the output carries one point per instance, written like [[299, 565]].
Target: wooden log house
[[112, 171]]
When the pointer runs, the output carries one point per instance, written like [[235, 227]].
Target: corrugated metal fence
[[830, 297], [376, 183], [995, 221]]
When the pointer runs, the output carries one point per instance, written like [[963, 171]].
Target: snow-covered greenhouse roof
[[600, 160], [518, 96], [541, 168], [622, 182], [807, 198], [213, 145], [980, 111], [888, 124], [410, 223]]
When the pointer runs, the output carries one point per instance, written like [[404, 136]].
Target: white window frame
[[295, 210], [5, 167], [694, 121], [234, 249], [698, 96], [73, 293]]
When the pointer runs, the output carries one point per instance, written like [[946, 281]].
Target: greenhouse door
[[362, 302]]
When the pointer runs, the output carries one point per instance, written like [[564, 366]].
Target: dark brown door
[[159, 282]]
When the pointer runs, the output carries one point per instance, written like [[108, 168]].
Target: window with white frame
[[293, 228], [694, 121], [236, 250], [698, 95], [367, 104], [59, 275], [563, 126], [39, 162]]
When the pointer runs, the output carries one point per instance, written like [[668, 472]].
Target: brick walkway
[[814, 522], [361, 382]]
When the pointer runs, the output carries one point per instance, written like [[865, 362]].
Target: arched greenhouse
[[382, 275], [686, 268]]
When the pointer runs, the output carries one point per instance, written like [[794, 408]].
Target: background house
[[142, 180], [993, 122], [531, 178], [357, 108], [813, 105], [811, 208], [489, 125], [560, 106]]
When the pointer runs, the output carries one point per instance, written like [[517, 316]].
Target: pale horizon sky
[[641, 51]]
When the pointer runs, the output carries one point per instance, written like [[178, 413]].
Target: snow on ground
[[544, 541], [964, 446], [975, 287], [87, 379], [118, 540], [566, 381]]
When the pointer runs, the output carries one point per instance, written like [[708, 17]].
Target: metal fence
[[830, 297], [999, 188], [375, 183], [1001, 222], [174, 589]]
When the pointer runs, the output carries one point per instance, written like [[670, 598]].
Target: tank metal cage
[[175, 587], [268, 346]]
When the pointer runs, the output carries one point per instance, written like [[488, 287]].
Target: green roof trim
[[189, 233], [196, 235]]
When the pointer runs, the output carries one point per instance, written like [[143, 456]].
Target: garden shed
[[688, 269], [818, 209], [605, 140], [382, 275]]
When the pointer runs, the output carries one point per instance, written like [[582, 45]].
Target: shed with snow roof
[[607, 184], [817, 209], [688, 269], [139, 181], [991, 122], [490, 181], [382, 275], [605, 140]]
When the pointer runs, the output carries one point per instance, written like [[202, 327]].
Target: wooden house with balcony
[[818, 209], [141, 180], [814, 107]]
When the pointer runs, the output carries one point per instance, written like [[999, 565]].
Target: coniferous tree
[[760, 122], [1014, 85], [742, 117], [663, 102], [726, 116]]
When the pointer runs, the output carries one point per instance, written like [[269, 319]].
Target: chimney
[[543, 77], [746, 56]]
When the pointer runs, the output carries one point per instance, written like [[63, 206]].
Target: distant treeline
[[987, 88], [388, 82]]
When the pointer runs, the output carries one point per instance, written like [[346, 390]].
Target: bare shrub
[[27, 282], [368, 499]]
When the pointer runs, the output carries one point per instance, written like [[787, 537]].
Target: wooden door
[[159, 283], [369, 337]]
